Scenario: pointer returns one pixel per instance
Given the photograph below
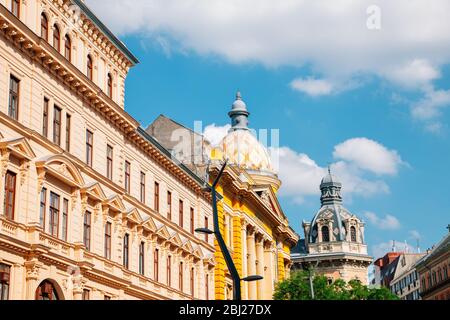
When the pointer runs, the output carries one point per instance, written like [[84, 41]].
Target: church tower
[[334, 242]]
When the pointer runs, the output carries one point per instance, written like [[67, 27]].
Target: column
[[268, 271], [32, 269], [260, 266], [244, 285], [251, 262]]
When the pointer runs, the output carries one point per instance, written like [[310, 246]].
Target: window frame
[[169, 270], [56, 38], [353, 235], [109, 83], [54, 211], [109, 161], [14, 97], [87, 224], [142, 186], [65, 220], [180, 276], [126, 251], [45, 117], [44, 26], [127, 176], [90, 67], [156, 197], [142, 258], [5, 281], [15, 8], [327, 233], [156, 265], [107, 239], [42, 207], [181, 213], [89, 148], [57, 125], [68, 48], [192, 219], [10, 188], [169, 205], [68, 130]]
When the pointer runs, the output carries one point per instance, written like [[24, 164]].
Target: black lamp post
[[223, 247]]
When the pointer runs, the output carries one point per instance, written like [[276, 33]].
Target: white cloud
[[330, 37], [313, 87], [215, 134], [380, 249], [414, 74], [389, 222], [430, 107], [369, 155]]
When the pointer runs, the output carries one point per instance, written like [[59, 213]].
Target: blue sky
[[373, 108]]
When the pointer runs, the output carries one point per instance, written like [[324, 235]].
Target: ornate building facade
[[251, 219], [334, 240], [92, 207], [256, 229]]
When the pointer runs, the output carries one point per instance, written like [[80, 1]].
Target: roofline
[[167, 153], [91, 15]]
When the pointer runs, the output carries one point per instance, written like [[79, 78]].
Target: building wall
[[254, 245], [434, 277], [26, 247]]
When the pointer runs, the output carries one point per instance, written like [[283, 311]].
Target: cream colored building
[[94, 207]]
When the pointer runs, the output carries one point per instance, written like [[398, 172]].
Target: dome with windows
[[333, 222]]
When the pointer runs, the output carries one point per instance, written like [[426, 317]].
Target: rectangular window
[[15, 8], [141, 258], [127, 176], [65, 217], [54, 214], [13, 107], [43, 208], [156, 198], [169, 270], [156, 265], [142, 187], [89, 147], [87, 230], [169, 205], [180, 213], [108, 240], [45, 118], [86, 294], [10, 194], [57, 125], [192, 221], [180, 276], [68, 129], [126, 250], [207, 227], [4, 281], [109, 162]]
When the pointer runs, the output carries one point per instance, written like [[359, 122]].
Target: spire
[[331, 189], [239, 114]]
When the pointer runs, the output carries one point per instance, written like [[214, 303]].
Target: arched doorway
[[47, 291]]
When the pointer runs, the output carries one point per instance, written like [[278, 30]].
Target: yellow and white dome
[[241, 147]]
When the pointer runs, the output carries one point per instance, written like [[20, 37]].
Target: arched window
[[46, 291], [90, 68], [44, 27], [353, 233], [15, 8], [68, 48], [110, 85], [325, 234], [56, 38]]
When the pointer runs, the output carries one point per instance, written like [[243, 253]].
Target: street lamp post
[[223, 247]]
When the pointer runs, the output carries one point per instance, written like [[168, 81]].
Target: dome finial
[[239, 114]]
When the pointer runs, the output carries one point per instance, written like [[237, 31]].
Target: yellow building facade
[[252, 221]]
